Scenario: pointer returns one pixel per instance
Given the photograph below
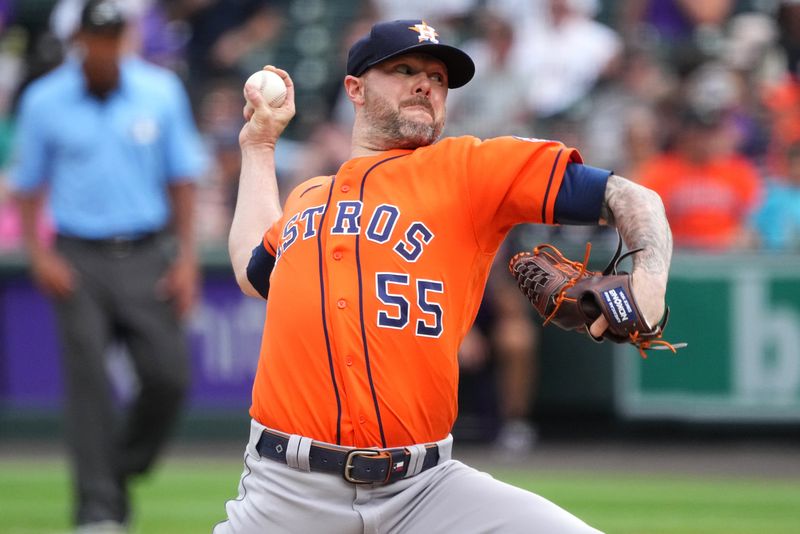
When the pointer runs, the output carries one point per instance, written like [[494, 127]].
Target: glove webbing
[[549, 250]]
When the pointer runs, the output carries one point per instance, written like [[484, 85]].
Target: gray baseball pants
[[115, 299], [449, 498]]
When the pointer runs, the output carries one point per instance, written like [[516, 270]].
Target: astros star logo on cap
[[393, 38], [426, 33]]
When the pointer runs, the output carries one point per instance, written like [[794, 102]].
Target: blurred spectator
[[713, 88], [12, 68], [642, 140], [751, 42], [563, 55], [686, 30], [521, 13], [750, 58], [109, 140], [777, 222], [783, 99], [228, 38], [6, 16], [41, 49], [322, 154], [6, 10], [490, 104], [622, 125], [442, 11], [164, 34], [219, 116], [709, 191]]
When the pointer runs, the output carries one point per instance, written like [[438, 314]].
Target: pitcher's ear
[[354, 87]]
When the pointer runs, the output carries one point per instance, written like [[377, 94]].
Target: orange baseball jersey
[[378, 275], [707, 204]]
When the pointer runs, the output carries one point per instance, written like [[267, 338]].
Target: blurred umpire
[[110, 141]]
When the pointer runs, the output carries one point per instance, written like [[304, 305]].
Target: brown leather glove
[[565, 293]]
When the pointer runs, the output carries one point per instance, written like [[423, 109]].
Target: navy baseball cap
[[389, 39], [103, 16]]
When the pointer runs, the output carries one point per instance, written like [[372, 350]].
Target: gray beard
[[391, 130]]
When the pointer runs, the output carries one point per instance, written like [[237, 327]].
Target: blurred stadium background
[[704, 93]]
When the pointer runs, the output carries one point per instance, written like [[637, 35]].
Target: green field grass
[[188, 496]]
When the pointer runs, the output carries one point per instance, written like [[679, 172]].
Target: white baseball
[[271, 85]]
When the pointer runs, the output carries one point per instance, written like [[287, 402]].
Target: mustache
[[418, 101]]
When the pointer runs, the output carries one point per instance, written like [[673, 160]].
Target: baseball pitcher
[[373, 276]]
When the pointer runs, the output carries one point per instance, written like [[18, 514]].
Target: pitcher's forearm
[[638, 214], [257, 208]]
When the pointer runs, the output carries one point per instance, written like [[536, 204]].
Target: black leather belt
[[118, 245], [358, 466]]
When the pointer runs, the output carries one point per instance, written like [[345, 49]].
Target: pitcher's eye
[[402, 68]]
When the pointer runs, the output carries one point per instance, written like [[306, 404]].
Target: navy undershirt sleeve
[[581, 195], [259, 268]]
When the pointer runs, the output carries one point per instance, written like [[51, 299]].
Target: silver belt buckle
[[348, 464]]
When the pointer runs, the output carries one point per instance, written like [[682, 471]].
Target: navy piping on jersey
[[549, 184], [361, 303], [324, 320], [309, 189]]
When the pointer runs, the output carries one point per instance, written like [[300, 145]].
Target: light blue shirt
[[778, 219], [107, 162]]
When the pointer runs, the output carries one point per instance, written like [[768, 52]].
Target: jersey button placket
[[343, 291]]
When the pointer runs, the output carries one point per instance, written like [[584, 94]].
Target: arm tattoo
[[638, 214]]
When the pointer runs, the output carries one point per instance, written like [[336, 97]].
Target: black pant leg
[[91, 417], [158, 348]]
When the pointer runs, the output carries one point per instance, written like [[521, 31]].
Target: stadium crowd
[[698, 100]]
